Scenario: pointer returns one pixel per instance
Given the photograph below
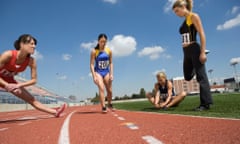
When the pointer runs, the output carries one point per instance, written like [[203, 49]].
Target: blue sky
[[143, 35]]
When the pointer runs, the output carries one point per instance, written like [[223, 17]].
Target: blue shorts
[[103, 73]]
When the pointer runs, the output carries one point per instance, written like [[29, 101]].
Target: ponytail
[[97, 47], [189, 5], [180, 3]]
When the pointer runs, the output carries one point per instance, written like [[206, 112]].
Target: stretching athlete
[[194, 52], [102, 70], [164, 96], [14, 61]]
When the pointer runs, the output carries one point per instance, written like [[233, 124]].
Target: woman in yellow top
[[194, 53]]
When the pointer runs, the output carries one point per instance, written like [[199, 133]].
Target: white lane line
[[151, 140], [131, 126], [64, 133], [121, 118], [24, 123], [3, 129]]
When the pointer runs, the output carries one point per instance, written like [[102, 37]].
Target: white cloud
[[153, 52], [168, 5], [235, 60], [88, 45], [66, 57], [235, 9], [122, 45], [62, 77], [230, 23], [90, 74], [37, 55], [111, 1], [82, 78]]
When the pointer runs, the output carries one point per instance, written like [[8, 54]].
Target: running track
[[87, 125]]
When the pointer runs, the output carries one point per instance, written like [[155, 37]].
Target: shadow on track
[[89, 112], [21, 119]]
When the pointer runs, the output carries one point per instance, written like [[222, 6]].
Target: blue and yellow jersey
[[102, 59]]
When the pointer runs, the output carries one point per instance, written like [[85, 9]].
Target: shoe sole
[[61, 110]]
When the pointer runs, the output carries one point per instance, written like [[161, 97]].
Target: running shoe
[[202, 108], [110, 106], [60, 110], [104, 110]]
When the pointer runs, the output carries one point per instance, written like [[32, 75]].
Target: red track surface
[[87, 125]]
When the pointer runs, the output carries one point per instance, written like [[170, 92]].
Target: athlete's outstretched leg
[[26, 96], [177, 99]]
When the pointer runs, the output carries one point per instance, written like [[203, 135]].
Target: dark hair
[[181, 3], [102, 35], [25, 38]]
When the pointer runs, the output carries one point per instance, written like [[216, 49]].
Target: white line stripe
[[151, 140], [3, 129], [24, 123], [121, 118], [64, 133], [132, 126]]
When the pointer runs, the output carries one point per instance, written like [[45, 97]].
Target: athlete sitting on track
[[14, 61], [164, 93]]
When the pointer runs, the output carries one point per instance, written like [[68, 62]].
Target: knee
[[101, 89], [148, 94], [184, 94], [188, 78]]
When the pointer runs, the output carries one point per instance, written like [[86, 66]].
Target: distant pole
[[235, 72], [210, 73]]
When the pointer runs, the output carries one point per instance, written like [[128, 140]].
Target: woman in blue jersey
[[102, 70], [194, 53], [164, 93]]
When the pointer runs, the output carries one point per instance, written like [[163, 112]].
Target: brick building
[[190, 87]]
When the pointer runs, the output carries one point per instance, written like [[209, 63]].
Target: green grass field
[[225, 106]]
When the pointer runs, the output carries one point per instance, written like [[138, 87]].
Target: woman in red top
[[14, 61]]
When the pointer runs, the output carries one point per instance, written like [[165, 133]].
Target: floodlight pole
[[210, 72], [235, 73]]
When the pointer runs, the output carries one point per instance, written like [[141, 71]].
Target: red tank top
[[11, 68]]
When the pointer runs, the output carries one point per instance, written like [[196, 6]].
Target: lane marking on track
[[131, 125], [121, 118], [151, 140], [24, 123], [3, 129], [64, 133]]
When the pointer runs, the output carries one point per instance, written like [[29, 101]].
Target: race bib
[[186, 38], [103, 64]]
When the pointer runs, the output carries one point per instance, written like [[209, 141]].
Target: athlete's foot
[[104, 110], [110, 106], [60, 110]]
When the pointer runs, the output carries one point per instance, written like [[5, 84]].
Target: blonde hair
[[161, 75], [180, 3]]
